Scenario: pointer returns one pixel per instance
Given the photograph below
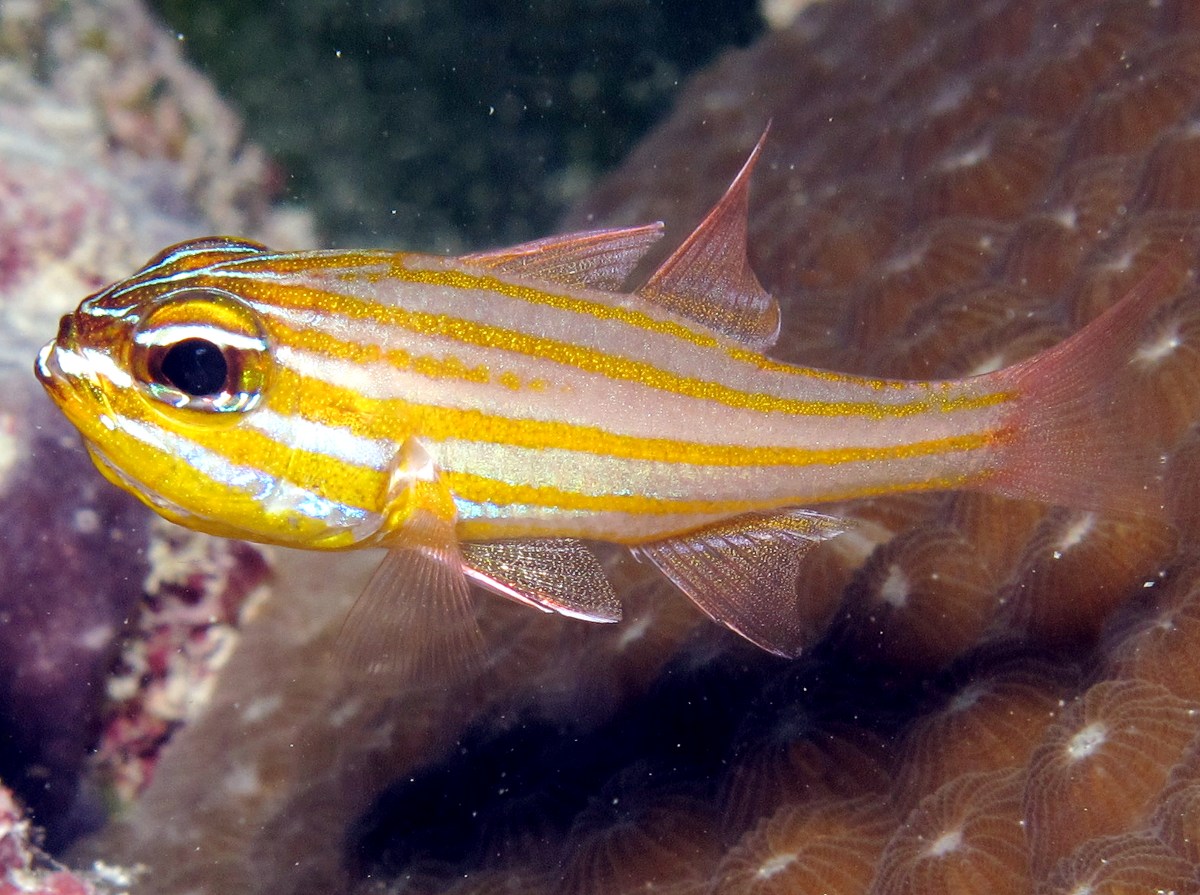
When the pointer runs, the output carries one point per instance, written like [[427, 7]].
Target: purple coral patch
[[71, 574]]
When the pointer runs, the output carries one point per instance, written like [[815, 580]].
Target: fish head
[[169, 379]]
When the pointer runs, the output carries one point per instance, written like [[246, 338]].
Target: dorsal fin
[[708, 279], [598, 259]]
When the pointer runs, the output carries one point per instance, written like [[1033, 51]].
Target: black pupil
[[195, 367]]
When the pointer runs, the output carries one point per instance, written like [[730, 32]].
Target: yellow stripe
[[482, 489], [228, 511], [321, 474], [396, 419], [381, 267], [377, 266], [431, 366], [458, 279], [589, 360]]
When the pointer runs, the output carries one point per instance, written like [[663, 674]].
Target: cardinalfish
[[485, 417]]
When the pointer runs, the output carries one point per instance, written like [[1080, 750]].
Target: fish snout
[[48, 368]]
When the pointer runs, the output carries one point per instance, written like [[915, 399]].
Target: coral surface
[[27, 870], [110, 146]]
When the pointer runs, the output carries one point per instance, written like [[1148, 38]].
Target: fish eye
[[195, 366], [201, 350]]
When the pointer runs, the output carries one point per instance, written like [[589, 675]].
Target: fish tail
[[1070, 440]]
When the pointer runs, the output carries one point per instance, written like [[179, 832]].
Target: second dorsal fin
[[708, 279]]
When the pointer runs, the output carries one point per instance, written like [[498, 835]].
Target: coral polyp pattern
[[998, 697]]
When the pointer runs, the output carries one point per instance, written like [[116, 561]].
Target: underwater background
[[447, 126], [999, 696]]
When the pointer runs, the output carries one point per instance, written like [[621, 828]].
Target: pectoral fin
[[708, 279], [742, 573], [553, 574], [600, 259], [414, 623]]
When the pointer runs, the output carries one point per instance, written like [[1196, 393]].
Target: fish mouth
[[48, 367], [68, 372]]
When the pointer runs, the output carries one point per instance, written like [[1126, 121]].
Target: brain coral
[[946, 189]]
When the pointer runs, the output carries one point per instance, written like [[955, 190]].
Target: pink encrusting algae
[[26, 869]]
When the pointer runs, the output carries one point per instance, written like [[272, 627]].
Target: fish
[[486, 419]]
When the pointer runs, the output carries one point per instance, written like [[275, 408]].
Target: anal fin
[[552, 574], [743, 572]]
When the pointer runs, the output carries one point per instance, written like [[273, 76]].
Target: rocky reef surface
[[110, 147], [999, 696]]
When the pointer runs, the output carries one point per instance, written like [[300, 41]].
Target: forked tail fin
[[1071, 440]]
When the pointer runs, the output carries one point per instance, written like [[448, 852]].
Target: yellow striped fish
[[483, 417]]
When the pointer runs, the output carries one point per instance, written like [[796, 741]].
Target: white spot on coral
[[989, 365], [243, 780], [776, 865], [968, 158], [10, 449], [1122, 261], [97, 638], [948, 98], [966, 698], [114, 875], [906, 260], [1075, 533], [1087, 741], [344, 712], [123, 687], [86, 521], [633, 632], [1066, 217], [262, 708], [945, 844], [1162, 346], [778, 14], [895, 589]]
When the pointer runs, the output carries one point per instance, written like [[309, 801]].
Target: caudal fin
[[1071, 440]]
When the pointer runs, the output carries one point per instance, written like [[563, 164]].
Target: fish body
[[484, 416]]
